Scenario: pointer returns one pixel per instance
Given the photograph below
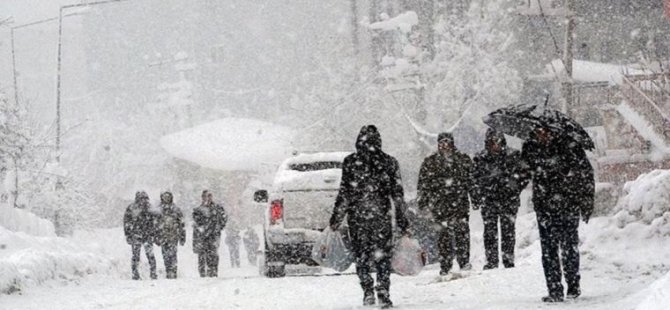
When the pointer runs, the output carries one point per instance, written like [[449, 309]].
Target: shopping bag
[[331, 251], [408, 257]]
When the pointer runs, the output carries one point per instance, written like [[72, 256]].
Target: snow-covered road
[[518, 288], [615, 276]]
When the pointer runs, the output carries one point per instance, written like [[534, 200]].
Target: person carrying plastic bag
[[408, 257], [330, 250]]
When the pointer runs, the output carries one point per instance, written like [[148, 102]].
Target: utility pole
[[354, 27], [58, 73], [16, 88], [567, 57]]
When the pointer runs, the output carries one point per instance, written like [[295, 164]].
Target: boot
[[384, 300], [552, 299], [369, 298], [573, 292]]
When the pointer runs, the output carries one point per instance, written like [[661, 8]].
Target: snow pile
[[658, 297], [402, 22], [231, 144], [28, 261], [18, 220], [646, 201]]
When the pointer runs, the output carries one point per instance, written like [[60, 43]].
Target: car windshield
[[314, 166]]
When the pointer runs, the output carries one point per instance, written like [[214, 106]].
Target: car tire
[[270, 266]]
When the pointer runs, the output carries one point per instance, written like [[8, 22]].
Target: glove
[[475, 207], [182, 242]]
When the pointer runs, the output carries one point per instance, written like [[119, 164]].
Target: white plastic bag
[[408, 257], [331, 251]]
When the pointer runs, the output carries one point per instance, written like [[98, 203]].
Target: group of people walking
[[450, 184], [164, 226]]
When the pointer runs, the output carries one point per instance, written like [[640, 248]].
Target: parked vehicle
[[299, 207]]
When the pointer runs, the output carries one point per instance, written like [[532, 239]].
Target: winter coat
[[563, 180], [370, 182], [250, 239], [498, 177], [208, 222], [445, 182], [232, 237], [171, 225], [139, 223]]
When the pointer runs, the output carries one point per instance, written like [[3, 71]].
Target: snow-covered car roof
[[325, 176]]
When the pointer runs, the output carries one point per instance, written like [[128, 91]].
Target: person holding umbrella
[[554, 157]]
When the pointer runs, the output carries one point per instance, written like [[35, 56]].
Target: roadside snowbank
[[659, 296], [17, 220], [27, 260]]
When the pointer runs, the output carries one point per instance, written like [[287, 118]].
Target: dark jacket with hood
[[208, 222], [563, 180], [139, 222], [498, 176], [171, 222], [370, 182], [445, 182]]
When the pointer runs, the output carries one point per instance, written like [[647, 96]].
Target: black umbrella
[[522, 120]]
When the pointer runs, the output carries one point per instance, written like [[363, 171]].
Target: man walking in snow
[[370, 184], [209, 219], [445, 183], [139, 226], [563, 189], [171, 232], [498, 183], [251, 243], [233, 242]]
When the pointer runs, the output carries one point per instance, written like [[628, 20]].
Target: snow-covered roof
[[589, 71], [231, 144]]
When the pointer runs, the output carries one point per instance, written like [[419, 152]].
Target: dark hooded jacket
[[445, 182], [139, 223], [563, 180], [170, 222], [208, 222], [370, 182], [498, 176]]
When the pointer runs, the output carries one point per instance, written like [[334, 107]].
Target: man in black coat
[[209, 219], [171, 232], [139, 226], [499, 180], [563, 189], [370, 184], [445, 183]]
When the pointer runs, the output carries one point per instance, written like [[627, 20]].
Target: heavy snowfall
[[354, 154]]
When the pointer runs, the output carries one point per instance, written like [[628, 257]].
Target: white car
[[300, 205]]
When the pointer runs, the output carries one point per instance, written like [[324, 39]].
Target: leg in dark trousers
[[170, 260], [149, 251], [446, 247], [213, 261], [490, 218], [462, 242], [569, 244], [508, 238], [363, 263], [549, 241], [202, 264], [135, 260]]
